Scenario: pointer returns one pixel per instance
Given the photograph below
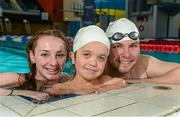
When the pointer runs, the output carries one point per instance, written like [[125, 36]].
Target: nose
[[126, 53], [53, 61], [93, 62]]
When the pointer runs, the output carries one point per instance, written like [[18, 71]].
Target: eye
[[134, 45], [101, 58], [116, 46], [86, 55], [61, 55], [44, 54]]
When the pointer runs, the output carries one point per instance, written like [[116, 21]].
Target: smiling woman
[[47, 52]]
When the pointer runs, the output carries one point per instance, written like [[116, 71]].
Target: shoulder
[[144, 60], [22, 78], [145, 57], [157, 67], [104, 78]]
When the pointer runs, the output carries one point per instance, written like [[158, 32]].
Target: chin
[[52, 77], [124, 70], [89, 78]]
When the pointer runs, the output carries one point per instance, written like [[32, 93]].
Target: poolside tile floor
[[136, 100]]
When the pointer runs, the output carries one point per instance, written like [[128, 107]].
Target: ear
[[72, 55], [32, 57]]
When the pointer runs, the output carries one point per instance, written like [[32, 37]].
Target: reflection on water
[[52, 99]]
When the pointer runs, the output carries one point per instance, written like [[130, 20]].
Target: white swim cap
[[89, 34], [123, 26]]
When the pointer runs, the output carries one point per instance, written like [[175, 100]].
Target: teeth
[[52, 70], [124, 62]]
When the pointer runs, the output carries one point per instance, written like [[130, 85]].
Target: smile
[[125, 62], [52, 71], [91, 70]]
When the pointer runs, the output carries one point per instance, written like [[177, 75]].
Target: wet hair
[[32, 43]]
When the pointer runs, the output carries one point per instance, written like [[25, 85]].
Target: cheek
[[40, 61], [102, 65], [136, 53], [80, 60], [113, 55], [62, 62]]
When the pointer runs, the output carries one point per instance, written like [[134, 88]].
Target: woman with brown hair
[[48, 52]]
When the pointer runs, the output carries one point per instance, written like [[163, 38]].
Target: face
[[124, 55], [90, 60], [50, 56]]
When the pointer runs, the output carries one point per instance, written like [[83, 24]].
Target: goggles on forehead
[[119, 36]]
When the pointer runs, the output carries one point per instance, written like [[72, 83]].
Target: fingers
[[52, 91], [42, 96]]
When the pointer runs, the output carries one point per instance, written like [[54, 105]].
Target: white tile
[[145, 92], [57, 113], [99, 106], [137, 109], [10, 100], [130, 87], [25, 100], [22, 109], [77, 100], [173, 112], [176, 114], [164, 101], [6, 112], [39, 109]]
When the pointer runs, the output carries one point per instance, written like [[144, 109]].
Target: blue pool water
[[169, 57]]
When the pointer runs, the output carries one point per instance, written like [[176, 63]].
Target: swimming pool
[[169, 57]]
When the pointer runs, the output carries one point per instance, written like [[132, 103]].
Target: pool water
[[13, 60], [169, 57]]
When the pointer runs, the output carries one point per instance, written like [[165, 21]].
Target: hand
[[33, 94], [39, 95]]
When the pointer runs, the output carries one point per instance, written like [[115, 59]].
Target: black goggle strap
[[119, 36]]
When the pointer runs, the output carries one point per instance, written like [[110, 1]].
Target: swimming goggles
[[119, 36]]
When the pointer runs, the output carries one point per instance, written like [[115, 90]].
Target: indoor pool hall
[[89, 58]]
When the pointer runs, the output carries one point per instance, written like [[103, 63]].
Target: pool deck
[[140, 99]]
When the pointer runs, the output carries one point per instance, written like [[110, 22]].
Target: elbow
[[122, 83]]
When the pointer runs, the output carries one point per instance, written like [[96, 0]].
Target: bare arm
[[171, 77], [68, 88], [110, 83], [59, 89], [33, 94], [163, 72], [10, 79]]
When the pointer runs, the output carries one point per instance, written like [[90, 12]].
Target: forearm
[[117, 85], [60, 89], [9, 92], [33, 94], [5, 92], [172, 77], [9, 80]]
